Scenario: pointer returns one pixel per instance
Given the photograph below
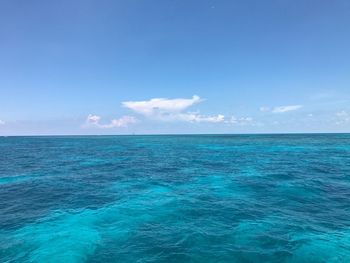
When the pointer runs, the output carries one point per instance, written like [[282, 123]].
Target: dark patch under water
[[210, 198]]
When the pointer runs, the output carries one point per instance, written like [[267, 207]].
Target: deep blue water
[[239, 198]]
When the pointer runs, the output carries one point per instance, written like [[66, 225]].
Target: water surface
[[203, 198]]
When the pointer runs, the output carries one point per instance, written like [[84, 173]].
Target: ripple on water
[[266, 198]]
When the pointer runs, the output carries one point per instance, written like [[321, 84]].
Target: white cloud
[[283, 109], [2, 122], [241, 121], [164, 109], [125, 121], [342, 117], [264, 109], [160, 105], [342, 113], [280, 109], [195, 117], [93, 119]]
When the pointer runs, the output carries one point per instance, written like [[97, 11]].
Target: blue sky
[[122, 67]]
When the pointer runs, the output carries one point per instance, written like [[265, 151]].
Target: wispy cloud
[[2, 122], [323, 95], [342, 114], [342, 117], [164, 109], [281, 109], [241, 121], [264, 109], [94, 120], [195, 117]]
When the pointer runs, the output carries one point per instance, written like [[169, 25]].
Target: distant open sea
[[189, 198]]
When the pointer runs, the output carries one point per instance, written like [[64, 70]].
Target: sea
[[175, 198]]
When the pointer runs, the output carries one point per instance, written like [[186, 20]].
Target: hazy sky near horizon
[[168, 66]]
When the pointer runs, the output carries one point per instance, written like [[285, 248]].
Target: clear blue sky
[[121, 67]]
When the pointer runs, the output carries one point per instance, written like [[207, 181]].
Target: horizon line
[[173, 134]]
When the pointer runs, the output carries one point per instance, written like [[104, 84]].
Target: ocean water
[[210, 198]]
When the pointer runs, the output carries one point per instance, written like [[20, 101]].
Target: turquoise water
[[239, 198]]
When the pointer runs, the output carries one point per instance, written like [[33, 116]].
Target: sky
[[169, 66]]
